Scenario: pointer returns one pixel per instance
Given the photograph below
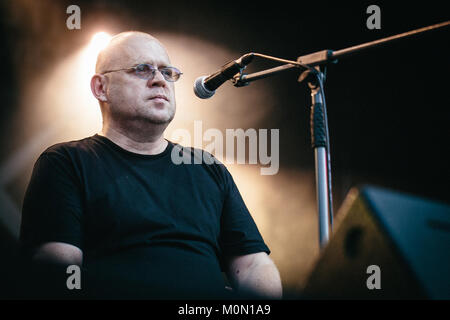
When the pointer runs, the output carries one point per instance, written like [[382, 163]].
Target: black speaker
[[385, 245]]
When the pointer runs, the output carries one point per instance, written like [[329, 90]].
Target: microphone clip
[[238, 80]]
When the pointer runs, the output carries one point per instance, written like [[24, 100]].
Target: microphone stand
[[312, 72]]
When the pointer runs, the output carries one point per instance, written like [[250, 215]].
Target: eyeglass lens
[[146, 71]]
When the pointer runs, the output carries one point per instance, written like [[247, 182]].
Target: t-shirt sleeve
[[52, 207], [239, 234]]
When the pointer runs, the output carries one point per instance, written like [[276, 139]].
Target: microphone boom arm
[[323, 56], [310, 64]]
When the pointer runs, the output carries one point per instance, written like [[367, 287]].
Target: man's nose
[[157, 80]]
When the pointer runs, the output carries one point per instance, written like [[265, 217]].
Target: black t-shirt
[[147, 227]]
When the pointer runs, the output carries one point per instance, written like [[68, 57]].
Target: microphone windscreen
[[200, 90]]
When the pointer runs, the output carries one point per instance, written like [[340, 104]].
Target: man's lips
[[158, 96]]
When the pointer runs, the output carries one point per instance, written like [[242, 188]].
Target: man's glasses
[[147, 71]]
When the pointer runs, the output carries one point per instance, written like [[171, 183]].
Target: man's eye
[[143, 68], [166, 71]]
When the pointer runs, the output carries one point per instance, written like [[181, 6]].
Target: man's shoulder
[[66, 148]]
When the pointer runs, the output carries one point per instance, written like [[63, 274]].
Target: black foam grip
[[224, 74], [318, 130]]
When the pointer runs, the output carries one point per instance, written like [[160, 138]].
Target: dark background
[[387, 107]]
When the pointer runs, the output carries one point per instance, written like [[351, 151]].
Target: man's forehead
[[124, 51], [145, 50]]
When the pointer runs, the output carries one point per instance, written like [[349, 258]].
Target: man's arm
[[255, 274], [45, 275], [59, 253]]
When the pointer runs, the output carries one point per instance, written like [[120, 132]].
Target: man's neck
[[137, 143]]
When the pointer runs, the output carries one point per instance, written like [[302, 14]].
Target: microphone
[[205, 86]]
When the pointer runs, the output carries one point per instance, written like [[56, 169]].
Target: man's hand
[[255, 274]]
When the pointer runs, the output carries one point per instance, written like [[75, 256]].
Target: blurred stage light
[[63, 99], [89, 55], [99, 41]]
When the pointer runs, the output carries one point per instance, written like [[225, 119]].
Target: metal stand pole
[[319, 144], [322, 195]]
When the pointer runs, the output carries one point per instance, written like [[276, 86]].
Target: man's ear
[[98, 87]]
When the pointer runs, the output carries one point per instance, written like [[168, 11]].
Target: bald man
[[139, 225]]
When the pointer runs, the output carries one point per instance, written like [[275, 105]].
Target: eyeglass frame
[[151, 68]]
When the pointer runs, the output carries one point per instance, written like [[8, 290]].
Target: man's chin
[[160, 120]]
